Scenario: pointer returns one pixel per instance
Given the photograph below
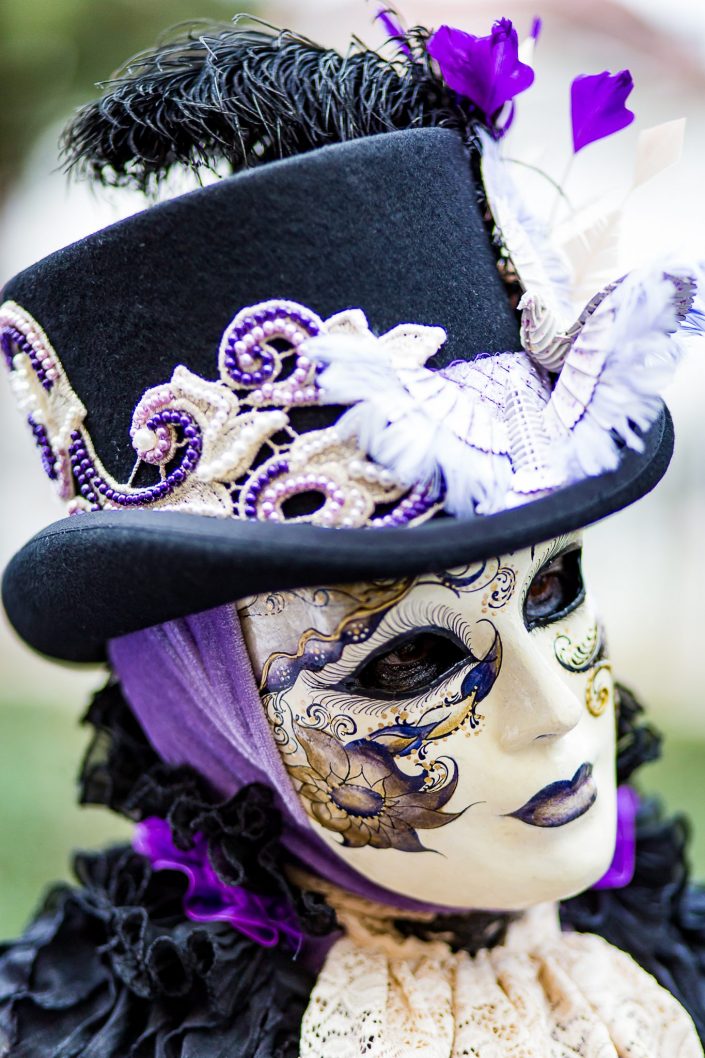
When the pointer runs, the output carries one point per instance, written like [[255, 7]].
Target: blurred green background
[[53, 51]]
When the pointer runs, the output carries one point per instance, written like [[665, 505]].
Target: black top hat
[[307, 373]]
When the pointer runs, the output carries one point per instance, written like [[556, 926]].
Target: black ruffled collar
[[114, 969]]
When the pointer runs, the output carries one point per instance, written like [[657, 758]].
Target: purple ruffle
[[621, 871], [208, 899]]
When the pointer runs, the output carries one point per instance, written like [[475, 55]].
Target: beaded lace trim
[[541, 994], [478, 436], [223, 448]]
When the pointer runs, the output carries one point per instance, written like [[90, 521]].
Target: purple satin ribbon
[[208, 899], [621, 871]]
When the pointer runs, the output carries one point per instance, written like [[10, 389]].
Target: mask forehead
[[280, 623], [277, 623]]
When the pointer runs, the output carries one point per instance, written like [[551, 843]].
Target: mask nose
[[537, 703]]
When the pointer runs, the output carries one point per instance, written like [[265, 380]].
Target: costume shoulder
[[112, 968]]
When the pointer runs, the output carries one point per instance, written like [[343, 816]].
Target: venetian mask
[[451, 736]]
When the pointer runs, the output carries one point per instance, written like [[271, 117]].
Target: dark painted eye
[[411, 666], [556, 589]]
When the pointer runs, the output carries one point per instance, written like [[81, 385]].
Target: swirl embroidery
[[226, 447]]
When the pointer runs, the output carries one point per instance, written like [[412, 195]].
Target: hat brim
[[93, 577]]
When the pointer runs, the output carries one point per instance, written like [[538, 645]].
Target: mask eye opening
[[438, 653], [555, 590]]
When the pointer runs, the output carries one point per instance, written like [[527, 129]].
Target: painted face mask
[[450, 736]]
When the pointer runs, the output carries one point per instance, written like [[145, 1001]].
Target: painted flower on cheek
[[487, 70], [358, 791]]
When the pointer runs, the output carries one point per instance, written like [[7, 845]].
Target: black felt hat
[[392, 225]]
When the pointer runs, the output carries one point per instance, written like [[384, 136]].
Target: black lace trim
[[122, 771], [113, 970], [470, 933]]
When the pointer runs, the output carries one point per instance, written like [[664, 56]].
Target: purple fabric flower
[[597, 106], [621, 870], [208, 899], [486, 70], [393, 28], [536, 27]]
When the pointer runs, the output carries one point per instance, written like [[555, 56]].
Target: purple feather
[[393, 28], [598, 106], [486, 70]]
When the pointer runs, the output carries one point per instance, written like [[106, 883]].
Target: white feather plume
[[410, 437], [619, 365], [542, 269]]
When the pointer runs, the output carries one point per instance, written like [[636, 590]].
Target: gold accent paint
[[580, 656], [366, 609], [598, 693]]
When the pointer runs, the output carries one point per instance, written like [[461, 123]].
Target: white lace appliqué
[[475, 437], [541, 994]]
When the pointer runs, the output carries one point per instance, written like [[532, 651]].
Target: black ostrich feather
[[247, 94]]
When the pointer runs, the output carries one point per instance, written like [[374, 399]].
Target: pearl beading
[[247, 360], [43, 443], [92, 484], [208, 440], [42, 360]]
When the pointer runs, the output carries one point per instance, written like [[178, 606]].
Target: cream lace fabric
[[542, 994]]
